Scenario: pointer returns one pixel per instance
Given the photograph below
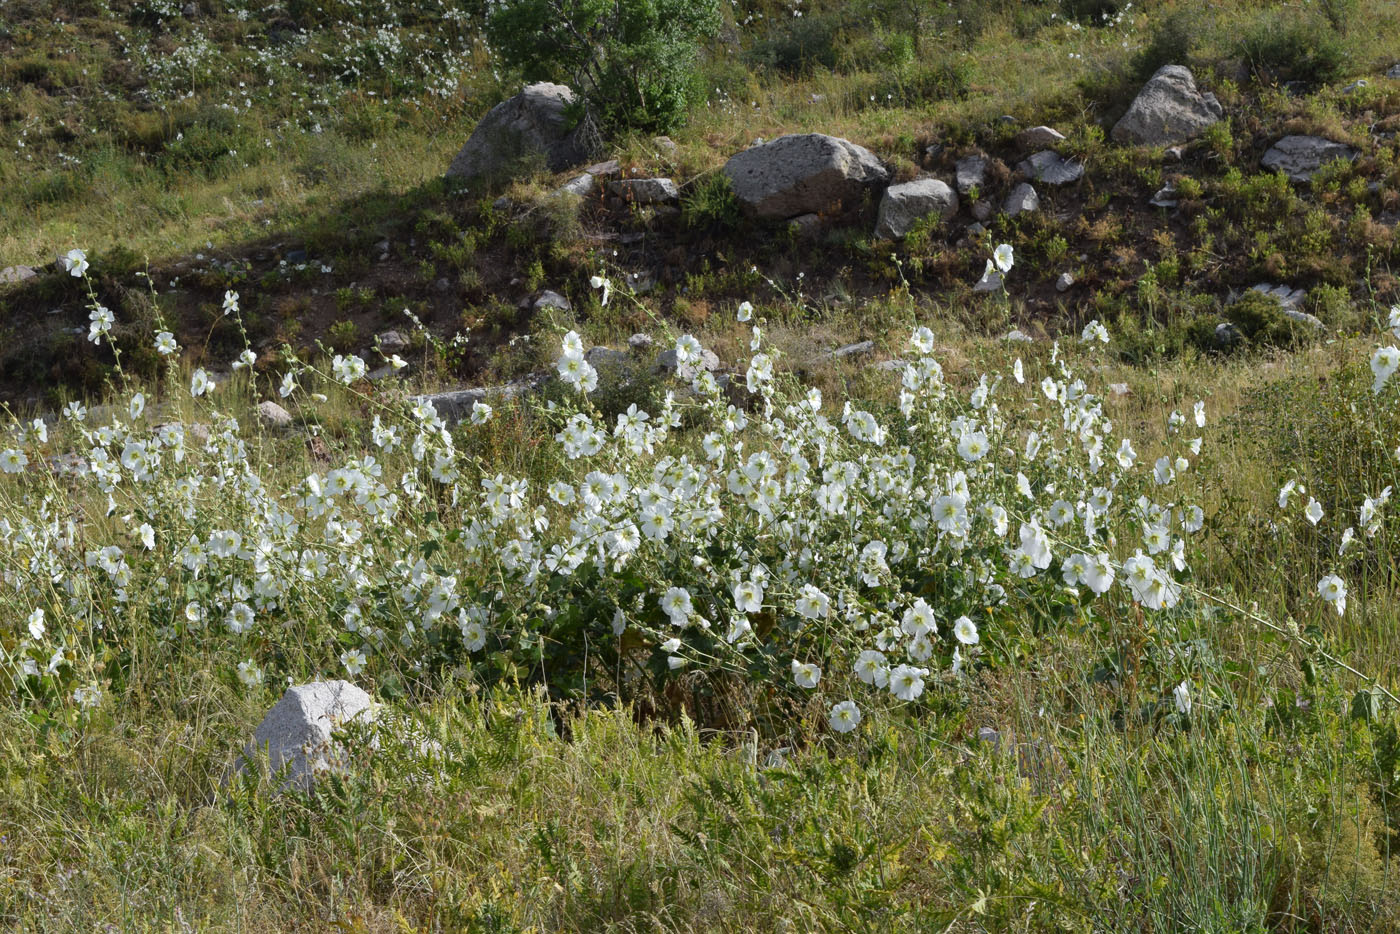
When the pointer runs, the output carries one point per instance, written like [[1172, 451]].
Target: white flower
[[1181, 694], [1285, 492], [805, 674], [745, 311], [965, 630], [200, 383], [677, 605], [240, 618], [748, 596], [249, 673], [1094, 331], [870, 668], [230, 301], [76, 263], [919, 620], [165, 344], [354, 661], [1384, 362], [1314, 511], [1005, 257], [101, 319], [245, 359], [688, 349], [599, 282], [36, 625], [13, 460], [1334, 590], [348, 368], [288, 385], [907, 682], [973, 446], [147, 535], [812, 603], [1200, 412], [922, 340], [844, 717]]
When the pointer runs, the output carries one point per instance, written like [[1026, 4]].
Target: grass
[[564, 797]]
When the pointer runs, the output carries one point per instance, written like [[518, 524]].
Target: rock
[[640, 282], [1039, 137], [1017, 336], [991, 282], [1227, 335], [531, 126], [933, 151], [295, 256], [456, 405], [666, 364], [1064, 283], [392, 342], [851, 350], [297, 731], [16, 274], [981, 210], [1174, 153], [902, 206], [640, 341], [974, 230], [1356, 86], [808, 173], [664, 144], [1302, 317], [646, 190], [580, 185], [553, 300], [1299, 157], [190, 11], [970, 173], [1051, 168], [1394, 72], [808, 225], [443, 285], [605, 358], [1021, 200], [1169, 109], [272, 415], [1163, 198], [608, 169], [1288, 298]]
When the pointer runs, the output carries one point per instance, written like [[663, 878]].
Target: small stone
[[1017, 336], [190, 11], [606, 169], [1356, 86], [1064, 283], [664, 144], [970, 173], [646, 190], [991, 282], [1174, 153], [580, 186], [976, 229], [1163, 198], [982, 210], [902, 206], [297, 732], [272, 415], [295, 256], [808, 225], [1394, 72], [852, 350], [1118, 389], [1021, 200], [1300, 157], [1051, 168], [392, 342], [1039, 137], [640, 282], [1227, 335], [933, 151], [16, 274], [666, 363], [548, 299], [443, 285], [988, 735], [640, 341]]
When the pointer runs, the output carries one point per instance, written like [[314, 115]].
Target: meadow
[[1093, 630]]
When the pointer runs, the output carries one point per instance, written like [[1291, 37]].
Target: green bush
[[632, 60], [1171, 43], [709, 202], [1286, 47], [798, 45]]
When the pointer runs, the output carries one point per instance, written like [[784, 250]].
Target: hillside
[[872, 465]]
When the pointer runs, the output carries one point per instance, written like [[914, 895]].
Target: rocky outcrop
[[531, 128], [1299, 157], [1169, 109], [807, 173], [905, 205]]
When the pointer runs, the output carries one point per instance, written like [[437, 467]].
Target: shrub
[[798, 45], [1171, 43], [709, 202], [1286, 47], [632, 60]]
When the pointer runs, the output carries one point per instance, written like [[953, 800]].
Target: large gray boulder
[[905, 205], [297, 732], [807, 173], [529, 128], [1299, 157], [1169, 109]]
